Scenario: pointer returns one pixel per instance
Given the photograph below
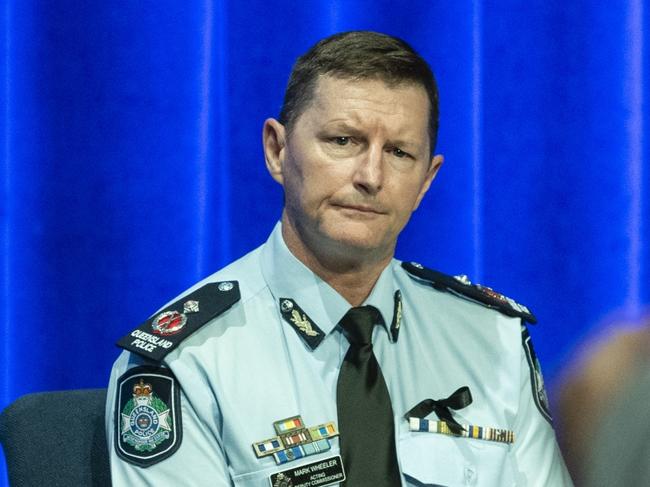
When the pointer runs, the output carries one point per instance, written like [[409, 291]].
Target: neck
[[351, 272]]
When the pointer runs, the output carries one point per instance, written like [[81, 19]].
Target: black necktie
[[365, 414]]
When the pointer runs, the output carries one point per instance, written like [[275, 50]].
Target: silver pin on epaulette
[[225, 286], [463, 279], [191, 306]]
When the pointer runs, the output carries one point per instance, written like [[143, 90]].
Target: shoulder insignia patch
[[147, 415], [536, 377], [461, 286], [162, 333]]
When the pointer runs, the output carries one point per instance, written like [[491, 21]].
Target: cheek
[[406, 197], [304, 188], [324, 180], [311, 177]]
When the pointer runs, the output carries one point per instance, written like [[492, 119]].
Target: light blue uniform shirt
[[249, 367]]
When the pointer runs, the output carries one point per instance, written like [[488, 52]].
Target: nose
[[368, 175]]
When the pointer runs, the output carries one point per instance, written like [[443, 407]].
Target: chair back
[[56, 439]]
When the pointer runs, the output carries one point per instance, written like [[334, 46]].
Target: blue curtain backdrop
[[132, 164]]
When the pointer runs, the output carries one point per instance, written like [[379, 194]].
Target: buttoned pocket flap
[[429, 459]]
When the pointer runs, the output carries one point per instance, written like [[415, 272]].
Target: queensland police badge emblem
[[282, 481], [147, 415], [145, 419]]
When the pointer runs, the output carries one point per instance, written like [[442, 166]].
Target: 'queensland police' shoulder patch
[[165, 331], [536, 377], [147, 415]]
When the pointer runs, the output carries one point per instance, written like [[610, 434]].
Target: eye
[[341, 140], [397, 152]]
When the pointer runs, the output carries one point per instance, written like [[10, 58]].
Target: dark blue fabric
[[132, 163], [57, 438]]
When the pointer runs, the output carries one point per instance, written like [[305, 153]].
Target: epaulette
[[461, 286], [162, 333]]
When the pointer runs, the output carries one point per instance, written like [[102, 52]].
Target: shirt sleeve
[[536, 453], [198, 460]]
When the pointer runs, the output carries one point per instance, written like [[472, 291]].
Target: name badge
[[324, 472]]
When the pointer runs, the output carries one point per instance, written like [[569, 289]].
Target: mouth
[[366, 209]]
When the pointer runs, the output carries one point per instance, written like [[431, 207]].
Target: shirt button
[[470, 475]]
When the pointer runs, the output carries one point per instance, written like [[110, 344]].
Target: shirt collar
[[318, 306]]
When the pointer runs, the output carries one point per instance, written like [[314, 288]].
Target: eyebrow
[[339, 124]]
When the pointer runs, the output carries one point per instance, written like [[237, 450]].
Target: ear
[[274, 142], [434, 167]]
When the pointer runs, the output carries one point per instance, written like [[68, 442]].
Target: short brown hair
[[359, 55]]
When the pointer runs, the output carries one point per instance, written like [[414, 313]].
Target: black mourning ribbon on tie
[[365, 413], [459, 399]]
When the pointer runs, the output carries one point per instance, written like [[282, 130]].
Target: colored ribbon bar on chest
[[295, 441], [469, 431], [459, 399]]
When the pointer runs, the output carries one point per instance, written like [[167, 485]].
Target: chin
[[356, 239]]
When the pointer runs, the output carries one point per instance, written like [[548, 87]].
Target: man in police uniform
[[318, 359]]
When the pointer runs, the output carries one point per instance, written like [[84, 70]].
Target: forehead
[[401, 106]]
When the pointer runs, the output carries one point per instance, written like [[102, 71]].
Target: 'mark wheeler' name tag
[[317, 474]]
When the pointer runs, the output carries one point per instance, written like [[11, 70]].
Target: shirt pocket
[[429, 459], [253, 479]]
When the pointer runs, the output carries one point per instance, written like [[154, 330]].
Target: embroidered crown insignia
[[141, 390]]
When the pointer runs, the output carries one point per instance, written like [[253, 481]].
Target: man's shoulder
[[245, 271], [461, 287], [205, 302]]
